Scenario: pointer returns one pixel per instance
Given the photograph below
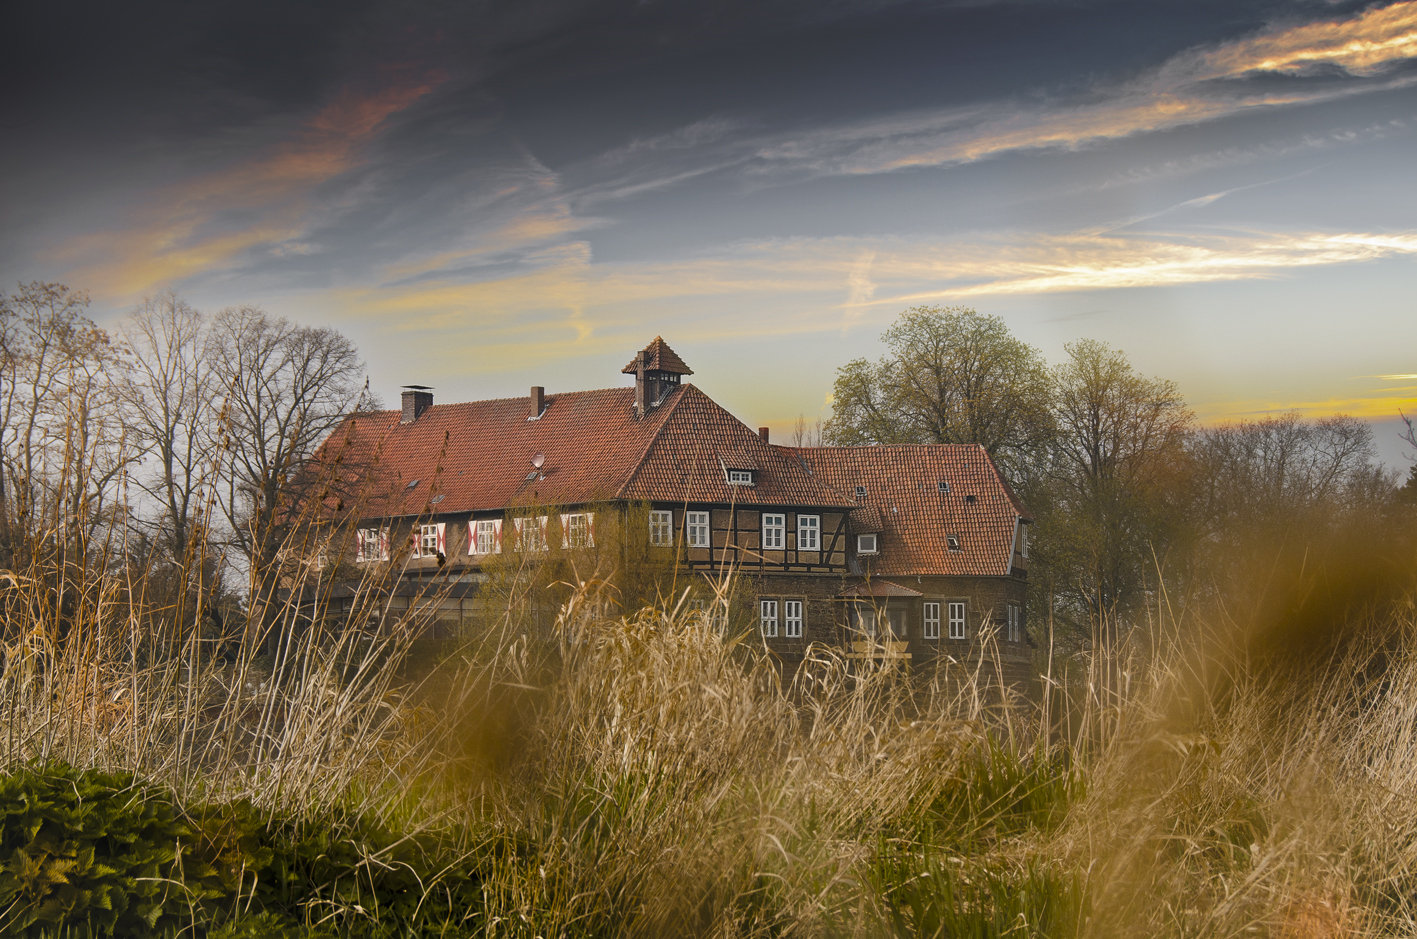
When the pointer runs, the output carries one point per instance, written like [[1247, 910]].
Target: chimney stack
[[416, 400], [538, 402], [763, 433]]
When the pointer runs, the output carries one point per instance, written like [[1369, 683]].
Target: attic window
[[411, 484], [740, 477], [438, 498], [952, 541], [944, 488], [860, 492], [866, 544], [969, 500]]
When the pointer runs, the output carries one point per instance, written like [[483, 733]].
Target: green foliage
[[999, 793], [93, 854], [930, 894]]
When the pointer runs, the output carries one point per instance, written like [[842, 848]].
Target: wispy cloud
[[567, 305], [1341, 57], [202, 223]]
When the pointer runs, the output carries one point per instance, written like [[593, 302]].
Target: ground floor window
[[767, 617], [956, 610], [932, 620], [792, 618], [1015, 624]]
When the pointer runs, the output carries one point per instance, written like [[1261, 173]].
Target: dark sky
[[490, 194]]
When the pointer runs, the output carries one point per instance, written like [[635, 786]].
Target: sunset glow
[[485, 201]]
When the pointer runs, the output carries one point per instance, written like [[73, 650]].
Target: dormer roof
[[658, 357]]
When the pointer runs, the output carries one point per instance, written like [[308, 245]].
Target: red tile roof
[[902, 485], [478, 456], [660, 358]]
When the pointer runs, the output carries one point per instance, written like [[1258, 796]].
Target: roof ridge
[[638, 464]]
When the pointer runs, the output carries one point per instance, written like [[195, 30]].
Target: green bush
[[87, 853]]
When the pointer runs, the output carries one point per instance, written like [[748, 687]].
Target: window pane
[[809, 532], [792, 616], [932, 621], [773, 526], [698, 529], [956, 620], [767, 610]]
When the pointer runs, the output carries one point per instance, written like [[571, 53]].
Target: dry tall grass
[[653, 774]]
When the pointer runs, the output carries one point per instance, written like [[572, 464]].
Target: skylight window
[[438, 498], [944, 488], [411, 483], [953, 542], [860, 492]]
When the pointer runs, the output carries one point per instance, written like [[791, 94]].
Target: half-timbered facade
[[909, 552]]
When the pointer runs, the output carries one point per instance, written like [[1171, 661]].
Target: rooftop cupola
[[657, 370]]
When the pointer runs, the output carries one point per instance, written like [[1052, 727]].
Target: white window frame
[[861, 539], [767, 617], [1015, 622], [774, 531], [959, 619], [484, 536], [740, 477], [952, 543], [792, 616], [809, 533], [531, 534], [696, 530], [429, 542], [932, 619], [661, 528], [578, 530], [371, 545], [1023, 540]]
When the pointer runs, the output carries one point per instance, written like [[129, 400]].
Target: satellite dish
[[538, 460]]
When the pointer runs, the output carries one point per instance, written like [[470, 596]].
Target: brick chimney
[[763, 433], [416, 400], [538, 402]]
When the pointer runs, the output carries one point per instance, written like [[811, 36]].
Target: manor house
[[909, 551]]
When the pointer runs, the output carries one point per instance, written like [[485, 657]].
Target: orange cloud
[[182, 229], [1187, 89]]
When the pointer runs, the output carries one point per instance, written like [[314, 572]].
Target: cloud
[[567, 306], [206, 222], [1193, 87]]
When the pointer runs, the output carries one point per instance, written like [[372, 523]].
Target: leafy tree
[[952, 376]]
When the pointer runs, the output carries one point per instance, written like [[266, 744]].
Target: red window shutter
[[471, 536], [565, 530], [497, 536], [383, 544], [590, 529], [359, 544], [442, 539]]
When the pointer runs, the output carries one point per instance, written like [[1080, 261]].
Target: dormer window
[[866, 544], [944, 488], [860, 492], [740, 477]]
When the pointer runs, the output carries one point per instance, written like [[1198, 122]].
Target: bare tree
[[61, 427], [1117, 461], [283, 388], [170, 392]]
